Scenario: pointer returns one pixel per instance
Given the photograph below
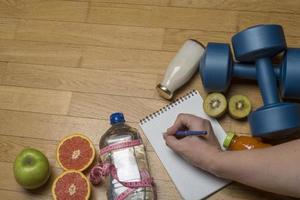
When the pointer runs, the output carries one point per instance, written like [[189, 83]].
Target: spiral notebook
[[191, 182]]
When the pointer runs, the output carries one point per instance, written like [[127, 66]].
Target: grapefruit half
[[71, 185], [75, 152]]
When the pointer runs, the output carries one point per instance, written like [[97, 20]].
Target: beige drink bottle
[[181, 68]]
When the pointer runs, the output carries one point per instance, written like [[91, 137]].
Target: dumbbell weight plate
[[216, 73], [290, 74], [258, 41], [269, 120]]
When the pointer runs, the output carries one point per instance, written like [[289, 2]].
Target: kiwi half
[[239, 106], [215, 105]]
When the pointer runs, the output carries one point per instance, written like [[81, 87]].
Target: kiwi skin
[[239, 106], [212, 100]]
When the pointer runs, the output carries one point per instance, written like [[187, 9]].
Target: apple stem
[[28, 160]]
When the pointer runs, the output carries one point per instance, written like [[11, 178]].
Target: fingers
[[172, 142], [188, 121], [187, 144], [191, 122]]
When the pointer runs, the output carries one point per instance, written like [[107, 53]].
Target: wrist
[[217, 164]]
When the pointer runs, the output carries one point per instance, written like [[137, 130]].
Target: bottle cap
[[116, 118], [164, 92], [228, 139]]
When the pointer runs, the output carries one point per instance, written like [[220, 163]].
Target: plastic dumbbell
[[217, 62], [259, 44]]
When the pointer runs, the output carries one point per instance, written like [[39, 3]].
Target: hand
[[201, 151]]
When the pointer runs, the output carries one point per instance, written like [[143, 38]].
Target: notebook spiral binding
[[168, 107]]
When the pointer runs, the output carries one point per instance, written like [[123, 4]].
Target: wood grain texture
[[91, 34], [43, 9], [130, 60], [237, 191], [66, 65], [141, 2], [13, 195], [175, 38], [7, 28], [34, 100], [54, 127], [96, 106], [40, 53], [82, 80], [165, 17], [289, 6]]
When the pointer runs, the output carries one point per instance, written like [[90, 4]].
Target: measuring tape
[[102, 170], [121, 145]]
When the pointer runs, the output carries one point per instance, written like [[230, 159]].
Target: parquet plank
[[13, 195], [142, 2], [39, 53], [165, 17], [54, 127], [116, 59], [82, 80], [90, 34], [174, 38], [288, 6], [131, 60], [2, 65], [97, 106], [34, 100], [41, 9], [236, 191], [7, 28], [49, 127], [11, 146]]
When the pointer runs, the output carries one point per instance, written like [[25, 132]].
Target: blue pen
[[187, 133]]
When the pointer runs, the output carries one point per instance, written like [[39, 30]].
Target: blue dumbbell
[[258, 45], [217, 62]]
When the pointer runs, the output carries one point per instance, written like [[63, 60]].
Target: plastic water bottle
[[121, 148]]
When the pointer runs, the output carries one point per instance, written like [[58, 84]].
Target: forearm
[[275, 169]]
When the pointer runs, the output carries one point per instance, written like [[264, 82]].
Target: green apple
[[31, 168]]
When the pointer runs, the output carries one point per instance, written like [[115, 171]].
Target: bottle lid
[[116, 118], [228, 139], [164, 92]]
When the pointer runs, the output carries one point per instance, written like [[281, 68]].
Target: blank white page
[[191, 182]]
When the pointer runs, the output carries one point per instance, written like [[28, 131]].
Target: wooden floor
[[66, 65]]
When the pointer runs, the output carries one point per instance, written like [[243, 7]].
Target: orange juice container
[[235, 142]]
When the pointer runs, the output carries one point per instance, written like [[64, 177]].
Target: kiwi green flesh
[[215, 105], [239, 106]]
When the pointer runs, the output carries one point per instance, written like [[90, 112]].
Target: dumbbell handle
[[267, 81], [248, 71], [265, 74]]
